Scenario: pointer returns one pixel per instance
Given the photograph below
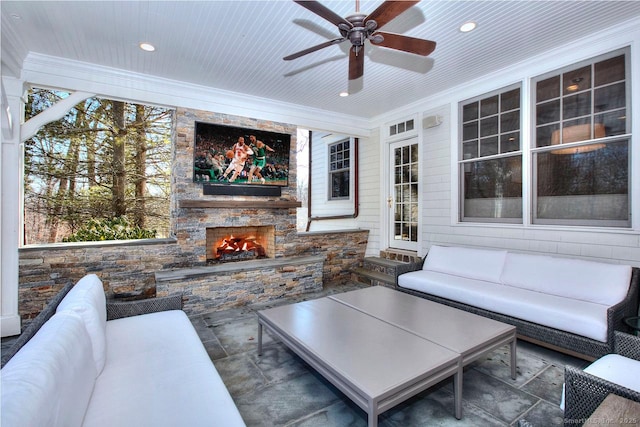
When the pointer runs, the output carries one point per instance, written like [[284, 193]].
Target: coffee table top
[[368, 353], [458, 330]]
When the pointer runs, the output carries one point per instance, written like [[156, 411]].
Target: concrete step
[[400, 255], [370, 277], [381, 265]]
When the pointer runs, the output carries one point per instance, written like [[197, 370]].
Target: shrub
[[119, 228]]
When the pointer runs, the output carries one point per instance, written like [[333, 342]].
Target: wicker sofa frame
[[576, 345], [585, 392], [115, 310]]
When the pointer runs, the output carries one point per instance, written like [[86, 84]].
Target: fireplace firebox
[[229, 244]]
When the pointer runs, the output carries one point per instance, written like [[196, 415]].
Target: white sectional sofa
[[80, 369], [570, 304]]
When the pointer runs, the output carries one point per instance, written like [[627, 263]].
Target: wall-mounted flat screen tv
[[240, 156]]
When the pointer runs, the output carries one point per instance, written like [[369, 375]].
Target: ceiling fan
[[359, 27]]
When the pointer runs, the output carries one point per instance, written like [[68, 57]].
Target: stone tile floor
[[280, 389]]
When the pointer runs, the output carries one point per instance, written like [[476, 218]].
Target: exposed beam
[[55, 112]]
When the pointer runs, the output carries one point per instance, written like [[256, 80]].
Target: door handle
[[390, 201]]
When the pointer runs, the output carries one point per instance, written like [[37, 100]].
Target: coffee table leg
[[259, 338], [457, 392], [373, 416], [513, 358]]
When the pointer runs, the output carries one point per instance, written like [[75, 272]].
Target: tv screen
[[240, 156]]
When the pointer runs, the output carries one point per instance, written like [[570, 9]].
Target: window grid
[[401, 127], [490, 157], [339, 164], [491, 125], [406, 193], [572, 114], [582, 144]]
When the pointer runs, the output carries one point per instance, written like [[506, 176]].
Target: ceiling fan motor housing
[[360, 30]]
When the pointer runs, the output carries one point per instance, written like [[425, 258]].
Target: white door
[[403, 198]]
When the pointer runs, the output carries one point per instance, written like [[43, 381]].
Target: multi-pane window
[[581, 150], [405, 187], [402, 127], [339, 163], [490, 163]]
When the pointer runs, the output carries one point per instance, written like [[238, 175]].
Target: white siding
[[439, 186], [370, 194], [369, 208]]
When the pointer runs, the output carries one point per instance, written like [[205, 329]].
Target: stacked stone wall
[[128, 270]]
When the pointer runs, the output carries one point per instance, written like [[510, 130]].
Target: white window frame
[[461, 162], [348, 169], [533, 149]]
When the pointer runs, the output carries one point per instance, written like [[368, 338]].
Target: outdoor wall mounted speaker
[[431, 121]]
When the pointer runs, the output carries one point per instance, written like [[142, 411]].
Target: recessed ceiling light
[[147, 47], [468, 26], [343, 94]]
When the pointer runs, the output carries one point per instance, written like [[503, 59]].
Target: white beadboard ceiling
[[238, 46]]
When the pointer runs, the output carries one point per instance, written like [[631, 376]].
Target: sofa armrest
[[120, 309], [585, 392], [406, 268], [625, 308], [35, 325], [627, 345]]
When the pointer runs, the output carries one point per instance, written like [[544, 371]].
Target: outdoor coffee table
[[376, 364], [468, 334]]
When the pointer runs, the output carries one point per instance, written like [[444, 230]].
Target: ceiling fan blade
[[314, 48], [406, 43], [356, 64], [389, 10], [324, 12]]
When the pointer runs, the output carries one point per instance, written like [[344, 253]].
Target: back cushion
[[590, 281], [50, 380], [87, 299], [482, 264]]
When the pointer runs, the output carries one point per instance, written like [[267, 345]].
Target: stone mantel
[[182, 274], [239, 204]]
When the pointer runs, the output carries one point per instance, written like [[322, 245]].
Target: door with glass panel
[[402, 201]]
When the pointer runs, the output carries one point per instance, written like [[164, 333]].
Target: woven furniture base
[[585, 392], [587, 348], [118, 310]]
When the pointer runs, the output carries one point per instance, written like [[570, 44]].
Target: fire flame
[[233, 244]]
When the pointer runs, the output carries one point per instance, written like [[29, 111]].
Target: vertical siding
[[370, 192]]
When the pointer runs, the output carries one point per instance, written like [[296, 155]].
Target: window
[[402, 127], [582, 143], [339, 163], [490, 162]]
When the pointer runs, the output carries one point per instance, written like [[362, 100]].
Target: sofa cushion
[[575, 316], [158, 373], [590, 281], [88, 300], [50, 380], [617, 369], [482, 264]]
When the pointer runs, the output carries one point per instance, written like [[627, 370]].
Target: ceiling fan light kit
[[359, 27]]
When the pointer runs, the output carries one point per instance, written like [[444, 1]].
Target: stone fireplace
[[244, 248]]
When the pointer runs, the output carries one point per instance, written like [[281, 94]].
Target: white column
[[10, 159]]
